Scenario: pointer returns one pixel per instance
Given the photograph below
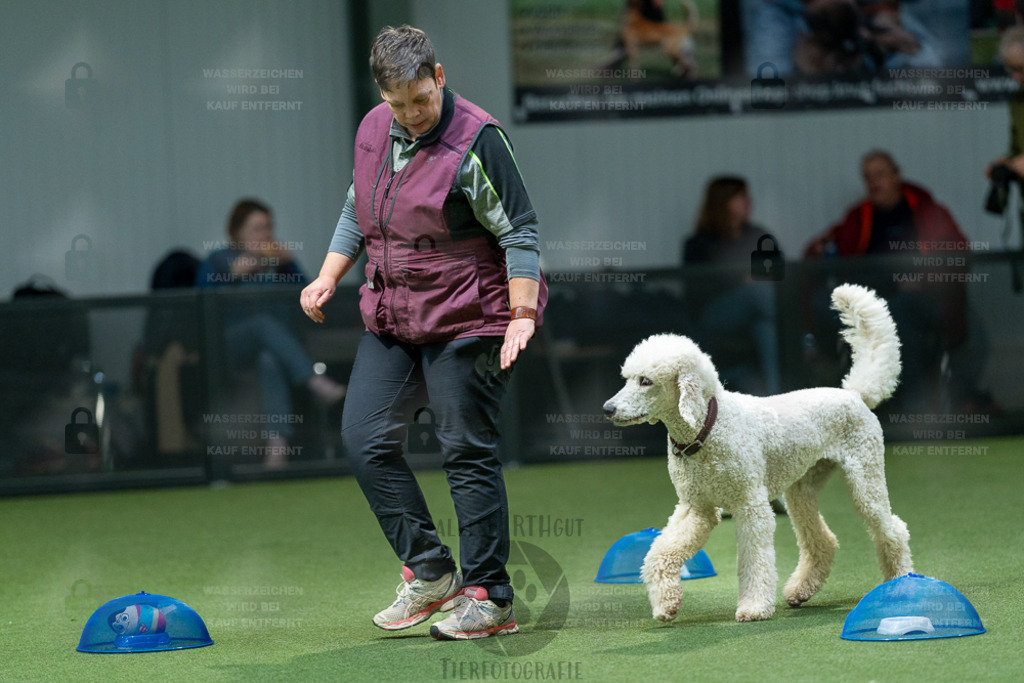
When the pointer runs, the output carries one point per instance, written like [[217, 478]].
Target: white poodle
[[739, 452]]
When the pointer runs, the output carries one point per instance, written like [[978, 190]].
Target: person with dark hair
[[165, 367], [253, 257], [453, 293], [734, 314], [176, 270]]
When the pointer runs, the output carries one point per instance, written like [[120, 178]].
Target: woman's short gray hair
[[401, 55]]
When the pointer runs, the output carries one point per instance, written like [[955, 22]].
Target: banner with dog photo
[[627, 58], [610, 58]]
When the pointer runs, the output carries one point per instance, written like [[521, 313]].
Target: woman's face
[[256, 232], [739, 209], [417, 104]]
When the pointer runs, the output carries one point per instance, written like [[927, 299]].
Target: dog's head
[[667, 378]]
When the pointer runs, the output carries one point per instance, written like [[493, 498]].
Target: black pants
[[465, 387]]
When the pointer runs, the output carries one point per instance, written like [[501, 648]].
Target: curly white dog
[[739, 452]]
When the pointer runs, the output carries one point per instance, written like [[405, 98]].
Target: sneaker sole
[[503, 630], [445, 605]]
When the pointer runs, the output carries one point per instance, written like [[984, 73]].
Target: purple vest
[[426, 281]]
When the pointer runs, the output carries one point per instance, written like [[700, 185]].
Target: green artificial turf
[[288, 575]]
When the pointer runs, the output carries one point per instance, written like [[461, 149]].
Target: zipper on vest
[[382, 223], [385, 218], [384, 200]]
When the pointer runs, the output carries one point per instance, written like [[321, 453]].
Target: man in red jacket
[[896, 216], [928, 303]]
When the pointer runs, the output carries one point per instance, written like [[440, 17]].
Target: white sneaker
[[475, 616], [417, 600]]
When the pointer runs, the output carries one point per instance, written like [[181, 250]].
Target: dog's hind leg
[[817, 542], [686, 532], [865, 479], [755, 540]]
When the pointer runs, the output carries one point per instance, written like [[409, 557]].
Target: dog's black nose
[[609, 409]]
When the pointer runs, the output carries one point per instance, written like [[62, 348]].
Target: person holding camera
[[1009, 168], [1011, 53]]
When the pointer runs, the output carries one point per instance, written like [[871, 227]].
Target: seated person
[[726, 304], [253, 257], [165, 368], [899, 217]]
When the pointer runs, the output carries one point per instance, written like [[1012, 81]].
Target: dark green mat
[[288, 575]]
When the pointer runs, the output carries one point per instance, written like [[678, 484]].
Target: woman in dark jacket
[[733, 313]]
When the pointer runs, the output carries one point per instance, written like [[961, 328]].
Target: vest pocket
[[440, 299], [369, 299]]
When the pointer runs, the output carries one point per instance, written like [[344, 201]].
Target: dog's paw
[[665, 601], [795, 593], [798, 596], [754, 613], [800, 588], [666, 612]]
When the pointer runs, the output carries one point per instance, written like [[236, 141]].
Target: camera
[[999, 191]]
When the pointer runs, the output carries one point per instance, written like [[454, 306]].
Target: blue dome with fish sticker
[[143, 622], [622, 562], [912, 607]]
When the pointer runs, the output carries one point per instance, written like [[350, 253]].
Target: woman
[[727, 306], [452, 295], [254, 257]]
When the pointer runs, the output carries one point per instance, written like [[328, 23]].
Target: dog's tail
[[871, 333]]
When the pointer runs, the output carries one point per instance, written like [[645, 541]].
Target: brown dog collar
[[680, 450]]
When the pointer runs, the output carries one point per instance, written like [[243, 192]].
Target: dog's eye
[[645, 382]]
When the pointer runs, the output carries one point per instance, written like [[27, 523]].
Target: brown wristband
[[524, 312]]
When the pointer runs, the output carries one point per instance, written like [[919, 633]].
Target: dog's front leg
[[755, 540], [685, 534]]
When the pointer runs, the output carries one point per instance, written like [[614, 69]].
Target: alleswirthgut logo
[[541, 602]]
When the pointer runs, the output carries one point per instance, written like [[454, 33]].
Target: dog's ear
[[689, 399], [697, 385]]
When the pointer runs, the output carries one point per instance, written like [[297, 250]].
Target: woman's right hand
[[316, 294]]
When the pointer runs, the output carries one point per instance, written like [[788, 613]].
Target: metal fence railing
[[143, 390]]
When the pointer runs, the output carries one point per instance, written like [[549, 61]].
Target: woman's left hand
[[516, 335]]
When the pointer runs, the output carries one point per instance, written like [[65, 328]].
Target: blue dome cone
[[622, 562], [143, 622], [912, 607]]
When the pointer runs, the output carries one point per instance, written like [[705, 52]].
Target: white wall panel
[[149, 167]]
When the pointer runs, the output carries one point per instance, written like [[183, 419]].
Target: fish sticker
[[137, 620]]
